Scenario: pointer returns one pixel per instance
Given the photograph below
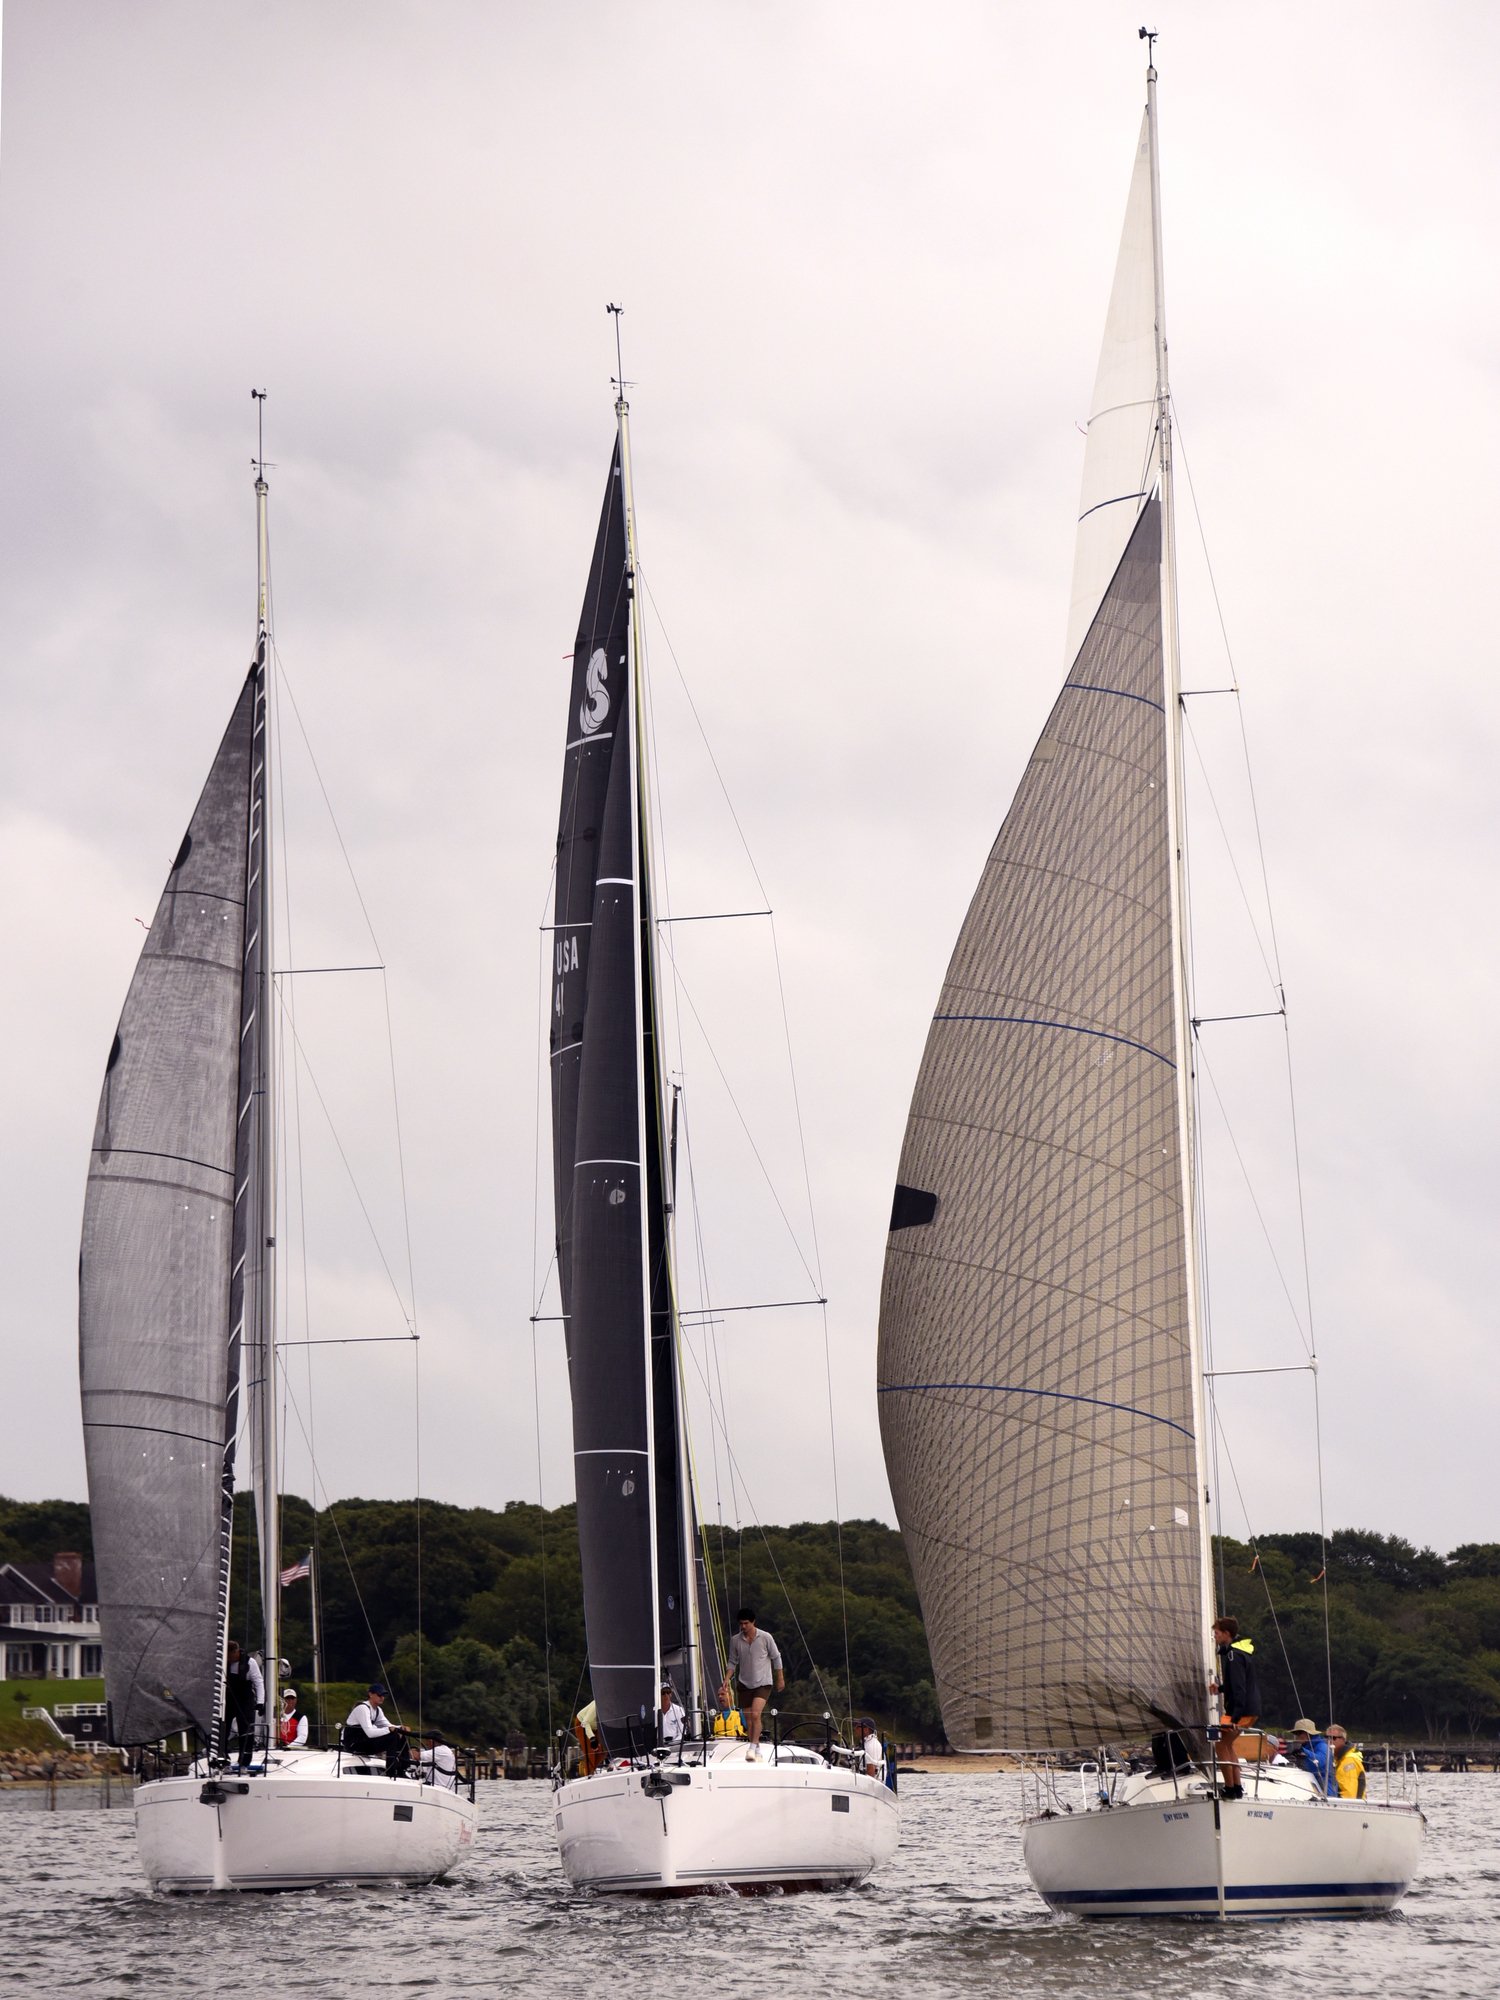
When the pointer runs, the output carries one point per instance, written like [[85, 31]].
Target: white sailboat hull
[[296, 1829], [1285, 1853], [726, 1824]]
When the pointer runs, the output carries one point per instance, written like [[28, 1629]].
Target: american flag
[[297, 1570]]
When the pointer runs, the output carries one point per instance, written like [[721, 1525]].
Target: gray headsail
[[1040, 1394], [158, 1363]]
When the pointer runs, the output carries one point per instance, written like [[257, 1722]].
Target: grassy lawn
[[16, 1695]]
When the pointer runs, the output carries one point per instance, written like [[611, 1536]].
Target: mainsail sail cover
[[610, 1176], [163, 1250], [1035, 1366]]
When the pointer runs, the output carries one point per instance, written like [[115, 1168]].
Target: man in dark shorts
[[1239, 1698], [755, 1662]]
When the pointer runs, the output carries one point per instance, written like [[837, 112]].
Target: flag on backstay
[[298, 1570]]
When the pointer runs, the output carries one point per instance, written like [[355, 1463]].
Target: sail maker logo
[[596, 699]]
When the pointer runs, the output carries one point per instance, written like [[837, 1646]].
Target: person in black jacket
[[1239, 1698]]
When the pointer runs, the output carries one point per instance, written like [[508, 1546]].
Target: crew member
[[755, 1662], [1239, 1698], [1348, 1765], [673, 1715], [437, 1763], [871, 1751], [367, 1732], [293, 1725], [244, 1695], [728, 1721], [1309, 1752]]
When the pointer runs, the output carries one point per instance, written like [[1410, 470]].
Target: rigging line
[[390, 1042], [729, 802], [711, 1369], [1213, 1020], [289, 1001], [838, 1518], [816, 1280], [536, 1404], [768, 1305], [1260, 1568], [1254, 1203], [771, 1555], [544, 987], [1323, 1542], [416, 1363], [306, 971], [312, 1079], [1273, 971], [354, 1340], [1239, 701], [333, 821], [328, 1508], [714, 917], [786, 1028]]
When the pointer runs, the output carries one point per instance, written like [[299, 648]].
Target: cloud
[[864, 255]]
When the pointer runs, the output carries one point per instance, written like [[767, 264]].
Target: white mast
[[263, 1247], [636, 737], [1177, 862]]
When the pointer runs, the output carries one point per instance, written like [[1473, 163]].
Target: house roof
[[34, 1583]]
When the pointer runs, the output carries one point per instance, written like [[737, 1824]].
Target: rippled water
[[954, 1914]]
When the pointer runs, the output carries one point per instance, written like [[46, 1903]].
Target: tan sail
[[1036, 1366]]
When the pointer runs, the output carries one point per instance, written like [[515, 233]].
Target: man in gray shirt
[[754, 1658]]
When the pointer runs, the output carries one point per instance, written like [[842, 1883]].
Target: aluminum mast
[[1177, 865], [262, 1242]]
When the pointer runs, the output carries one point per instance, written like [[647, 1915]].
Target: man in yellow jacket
[[1348, 1765]]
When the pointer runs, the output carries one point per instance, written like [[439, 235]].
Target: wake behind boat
[[643, 1817], [1041, 1370], [176, 1316]]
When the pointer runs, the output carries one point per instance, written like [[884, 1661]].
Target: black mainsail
[[611, 1173], [173, 1270]]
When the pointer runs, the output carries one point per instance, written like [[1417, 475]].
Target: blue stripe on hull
[[1233, 1892]]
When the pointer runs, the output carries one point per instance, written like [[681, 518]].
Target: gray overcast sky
[[865, 253]]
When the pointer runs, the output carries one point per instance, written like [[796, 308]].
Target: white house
[[49, 1620]]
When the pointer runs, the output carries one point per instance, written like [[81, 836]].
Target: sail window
[[984, 1728], [912, 1208]]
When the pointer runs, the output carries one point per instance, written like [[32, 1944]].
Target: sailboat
[[176, 1319], [707, 1812], [1041, 1359]]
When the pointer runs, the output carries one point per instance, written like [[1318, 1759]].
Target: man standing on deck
[[244, 1697], [754, 1661], [1239, 1698]]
